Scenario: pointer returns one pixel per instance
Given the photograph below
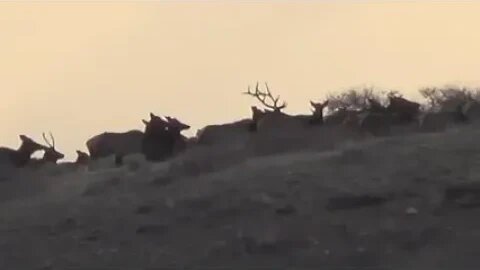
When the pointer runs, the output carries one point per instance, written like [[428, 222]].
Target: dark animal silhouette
[[82, 158], [399, 110], [51, 155], [113, 143], [22, 155], [403, 110], [162, 137], [226, 134], [337, 117], [257, 114], [317, 110]]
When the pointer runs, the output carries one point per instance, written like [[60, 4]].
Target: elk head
[[262, 96], [29, 146], [257, 113], [51, 154], [156, 124], [175, 125], [317, 110], [82, 158]]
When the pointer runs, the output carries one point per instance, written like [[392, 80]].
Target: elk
[[470, 111], [317, 112], [162, 137], [375, 106], [405, 110], [113, 143], [262, 97], [21, 156], [272, 105], [51, 155], [226, 134], [82, 158], [339, 116], [257, 114], [376, 124]]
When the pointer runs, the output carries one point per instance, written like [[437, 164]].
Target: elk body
[[230, 134], [403, 110], [339, 116], [379, 120], [162, 138], [22, 155], [439, 121], [272, 115], [113, 143]]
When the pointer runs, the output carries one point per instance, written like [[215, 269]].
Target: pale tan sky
[[79, 69]]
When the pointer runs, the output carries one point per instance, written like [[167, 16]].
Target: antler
[[262, 97], [45, 139], [53, 140], [51, 144]]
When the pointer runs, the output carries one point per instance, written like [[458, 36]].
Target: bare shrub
[[448, 98], [358, 98]]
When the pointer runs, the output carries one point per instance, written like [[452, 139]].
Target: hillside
[[405, 202]]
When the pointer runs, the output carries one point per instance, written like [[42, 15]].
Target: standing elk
[[162, 137], [21, 156], [113, 143]]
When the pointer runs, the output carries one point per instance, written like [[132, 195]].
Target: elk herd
[[162, 137]]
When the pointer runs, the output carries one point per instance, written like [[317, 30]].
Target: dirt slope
[[395, 203]]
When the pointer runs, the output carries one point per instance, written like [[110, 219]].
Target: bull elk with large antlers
[[262, 96], [267, 99]]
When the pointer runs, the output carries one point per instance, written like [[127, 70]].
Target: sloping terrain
[[406, 202]]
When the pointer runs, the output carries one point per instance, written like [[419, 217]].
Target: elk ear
[[312, 103], [152, 115], [145, 121], [23, 137]]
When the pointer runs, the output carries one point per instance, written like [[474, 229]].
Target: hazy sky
[[79, 69]]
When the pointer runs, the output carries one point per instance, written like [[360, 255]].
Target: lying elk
[[162, 137], [272, 105], [404, 110], [399, 109], [51, 155], [22, 155], [317, 113], [82, 158]]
